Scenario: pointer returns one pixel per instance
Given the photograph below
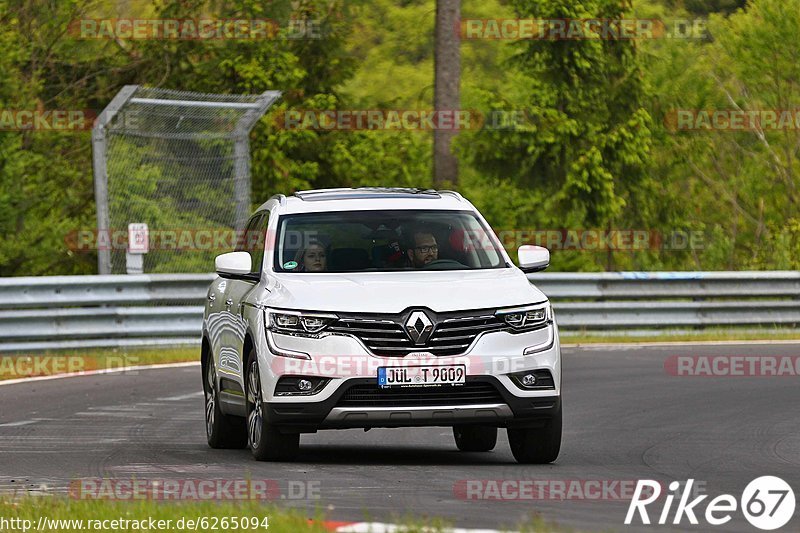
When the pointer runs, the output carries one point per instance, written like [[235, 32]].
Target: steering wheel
[[444, 264]]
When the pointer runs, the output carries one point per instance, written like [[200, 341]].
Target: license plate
[[415, 376]]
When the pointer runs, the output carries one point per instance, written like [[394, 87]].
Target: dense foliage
[[596, 148]]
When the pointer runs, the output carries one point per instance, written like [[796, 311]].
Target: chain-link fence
[[178, 162]]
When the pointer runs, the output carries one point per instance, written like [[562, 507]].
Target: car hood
[[394, 292]]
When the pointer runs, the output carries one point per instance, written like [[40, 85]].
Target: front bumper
[[511, 411], [489, 361]]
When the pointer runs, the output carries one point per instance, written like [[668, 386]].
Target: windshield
[[380, 241]]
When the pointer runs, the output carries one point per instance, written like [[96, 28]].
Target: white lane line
[[377, 527], [181, 397], [117, 408], [99, 372], [17, 424], [115, 414], [27, 451]]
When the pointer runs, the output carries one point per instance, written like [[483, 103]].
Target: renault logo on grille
[[419, 327]]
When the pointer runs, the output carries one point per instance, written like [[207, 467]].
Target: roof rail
[[311, 192], [280, 197], [365, 192], [398, 190], [452, 193]]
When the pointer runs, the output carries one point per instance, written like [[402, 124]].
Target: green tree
[[582, 152], [47, 191], [739, 187]]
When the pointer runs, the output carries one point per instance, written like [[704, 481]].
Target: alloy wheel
[[254, 414]]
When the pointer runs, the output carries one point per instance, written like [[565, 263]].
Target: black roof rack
[[366, 193]]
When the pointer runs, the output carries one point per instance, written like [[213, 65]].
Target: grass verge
[[64, 514], [15, 366], [701, 336], [60, 514]]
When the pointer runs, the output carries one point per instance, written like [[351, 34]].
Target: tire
[[265, 441], [475, 438], [222, 431], [537, 446]]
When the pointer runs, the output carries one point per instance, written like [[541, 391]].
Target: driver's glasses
[[427, 249]]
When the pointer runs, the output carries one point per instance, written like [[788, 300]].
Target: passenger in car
[[312, 258]]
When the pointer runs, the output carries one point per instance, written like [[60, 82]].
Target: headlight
[[530, 317], [298, 321]]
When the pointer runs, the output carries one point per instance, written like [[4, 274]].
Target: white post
[[138, 246]]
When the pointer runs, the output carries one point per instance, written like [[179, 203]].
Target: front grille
[[470, 393], [452, 334]]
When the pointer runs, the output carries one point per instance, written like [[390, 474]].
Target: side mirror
[[234, 265], [533, 258]]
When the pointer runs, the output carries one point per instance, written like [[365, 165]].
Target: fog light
[[300, 385], [539, 379]]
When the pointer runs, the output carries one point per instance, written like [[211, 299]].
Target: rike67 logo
[[767, 502]]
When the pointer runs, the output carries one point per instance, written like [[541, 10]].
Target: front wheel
[[537, 446], [475, 438], [266, 441], [222, 431]]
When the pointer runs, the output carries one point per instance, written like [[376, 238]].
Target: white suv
[[376, 307]]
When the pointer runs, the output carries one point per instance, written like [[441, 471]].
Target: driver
[[424, 249]]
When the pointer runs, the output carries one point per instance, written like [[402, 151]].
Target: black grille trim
[[470, 393], [453, 333]]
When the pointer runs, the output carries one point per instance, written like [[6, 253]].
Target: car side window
[[252, 240], [258, 243]]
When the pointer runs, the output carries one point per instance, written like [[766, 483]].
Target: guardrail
[[41, 313]]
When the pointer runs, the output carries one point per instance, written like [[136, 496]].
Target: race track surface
[[625, 418]]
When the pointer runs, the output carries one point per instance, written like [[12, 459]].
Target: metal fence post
[[99, 163], [101, 195], [241, 147], [241, 180]]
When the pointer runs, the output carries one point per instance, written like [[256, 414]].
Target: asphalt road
[[625, 419]]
